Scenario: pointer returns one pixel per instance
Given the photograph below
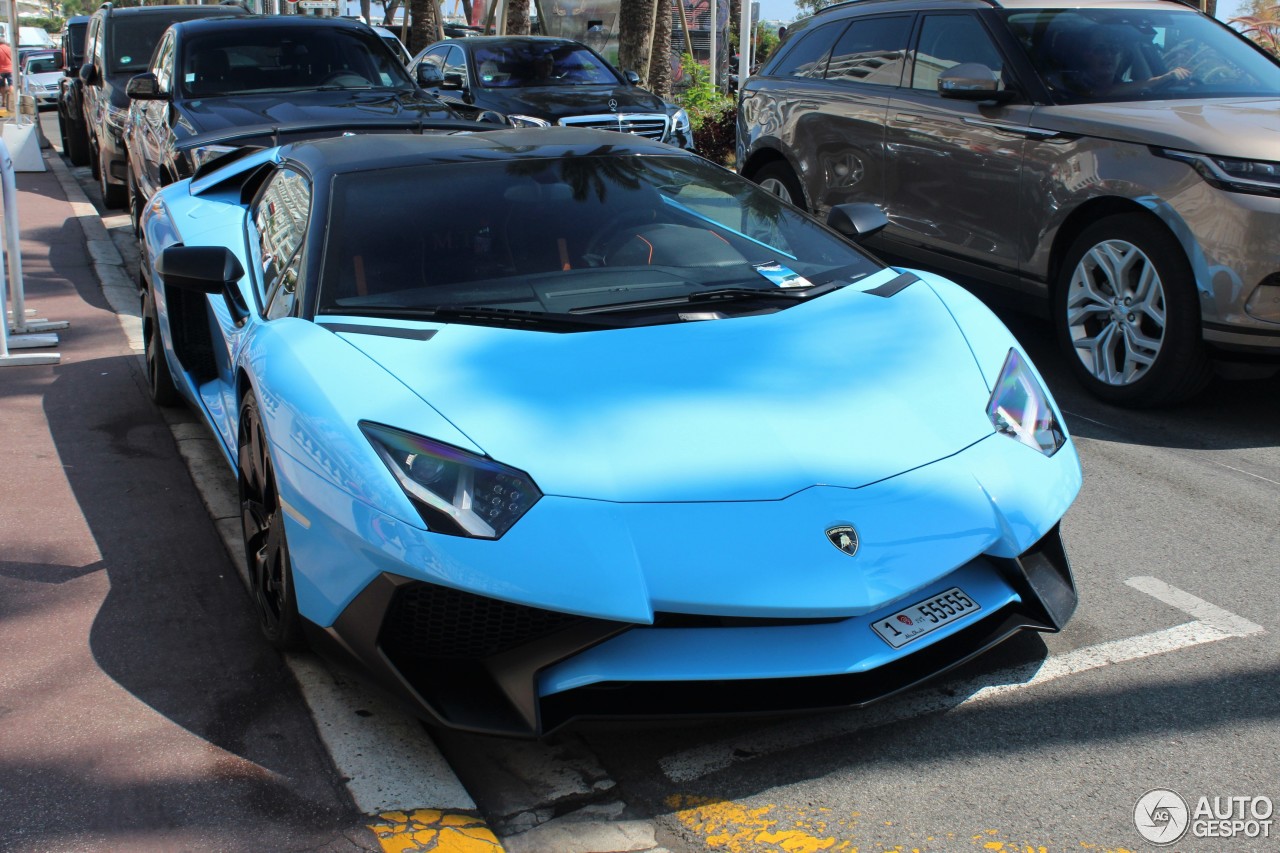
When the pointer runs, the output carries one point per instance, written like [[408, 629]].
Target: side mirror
[[492, 117], [453, 81], [631, 77], [972, 81], [145, 87], [857, 220], [208, 270], [89, 73], [430, 76]]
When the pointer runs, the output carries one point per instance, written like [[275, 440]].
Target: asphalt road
[[1167, 678]]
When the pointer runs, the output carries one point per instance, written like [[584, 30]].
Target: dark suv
[[216, 84], [119, 45], [1116, 161], [71, 124]]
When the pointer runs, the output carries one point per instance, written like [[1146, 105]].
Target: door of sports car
[[277, 227]]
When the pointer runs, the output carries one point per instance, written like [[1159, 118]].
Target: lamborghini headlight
[[456, 492], [1019, 408], [527, 121]]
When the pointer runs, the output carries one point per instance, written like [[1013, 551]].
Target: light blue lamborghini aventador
[[536, 425]]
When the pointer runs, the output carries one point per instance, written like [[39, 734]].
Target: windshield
[[284, 59], [569, 236], [1087, 55], [524, 64]]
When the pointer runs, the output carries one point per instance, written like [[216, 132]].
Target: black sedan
[[539, 81], [216, 84]]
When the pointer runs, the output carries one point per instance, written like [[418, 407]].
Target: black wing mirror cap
[[453, 81], [430, 76], [858, 220], [632, 78], [205, 269], [972, 81], [89, 73], [145, 87]]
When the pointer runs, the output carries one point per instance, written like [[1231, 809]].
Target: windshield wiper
[[718, 296], [478, 314]]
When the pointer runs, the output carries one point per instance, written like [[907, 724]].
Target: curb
[[389, 764]]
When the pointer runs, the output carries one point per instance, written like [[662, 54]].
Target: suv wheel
[[75, 141], [1126, 314], [777, 178], [114, 197]]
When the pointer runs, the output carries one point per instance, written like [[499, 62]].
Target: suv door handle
[[907, 118], [1020, 130]]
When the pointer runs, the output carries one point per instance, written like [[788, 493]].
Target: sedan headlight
[[456, 492], [527, 121], [680, 121], [1019, 408], [1261, 177]]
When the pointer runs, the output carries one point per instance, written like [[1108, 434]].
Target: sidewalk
[[140, 709]]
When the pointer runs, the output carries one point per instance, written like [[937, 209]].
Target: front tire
[[778, 179], [159, 380], [113, 197], [75, 143], [1126, 313], [265, 546]]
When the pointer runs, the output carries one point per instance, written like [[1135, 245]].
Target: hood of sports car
[[846, 390]]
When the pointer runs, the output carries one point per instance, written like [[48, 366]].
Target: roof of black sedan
[[389, 151]]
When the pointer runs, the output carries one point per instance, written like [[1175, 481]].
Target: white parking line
[[1211, 624]]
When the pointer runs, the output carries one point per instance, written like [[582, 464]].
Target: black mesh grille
[[437, 623]]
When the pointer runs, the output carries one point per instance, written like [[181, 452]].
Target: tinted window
[[1120, 54], [280, 218], [808, 56], [871, 51], [947, 41], [555, 235], [132, 40]]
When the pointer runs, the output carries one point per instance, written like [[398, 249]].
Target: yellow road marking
[[434, 830], [729, 827]]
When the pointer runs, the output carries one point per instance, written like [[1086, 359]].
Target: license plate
[[923, 617]]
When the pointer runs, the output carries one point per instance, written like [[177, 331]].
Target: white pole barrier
[[746, 45], [13, 268]]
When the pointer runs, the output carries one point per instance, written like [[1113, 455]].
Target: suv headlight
[[1020, 409], [117, 119], [455, 492], [1261, 177], [527, 121]]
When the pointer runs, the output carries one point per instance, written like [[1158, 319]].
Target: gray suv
[[1118, 161]]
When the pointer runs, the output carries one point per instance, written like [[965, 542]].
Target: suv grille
[[649, 125]]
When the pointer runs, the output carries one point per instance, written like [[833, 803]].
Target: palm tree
[[1262, 25]]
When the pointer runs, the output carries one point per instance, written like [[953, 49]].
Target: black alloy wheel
[[265, 546], [159, 379], [113, 196]]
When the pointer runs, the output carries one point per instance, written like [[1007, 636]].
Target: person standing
[[6, 74]]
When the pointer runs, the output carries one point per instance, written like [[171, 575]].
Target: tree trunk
[[635, 36], [660, 59], [365, 11], [424, 27], [517, 17], [389, 18]]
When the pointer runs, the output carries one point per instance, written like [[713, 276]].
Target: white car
[[40, 75]]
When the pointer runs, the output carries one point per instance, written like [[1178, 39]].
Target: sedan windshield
[[572, 236], [1087, 55], [519, 65], [284, 59]]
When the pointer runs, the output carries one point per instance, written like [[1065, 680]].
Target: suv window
[[871, 51], [129, 47], [808, 58], [947, 41]]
